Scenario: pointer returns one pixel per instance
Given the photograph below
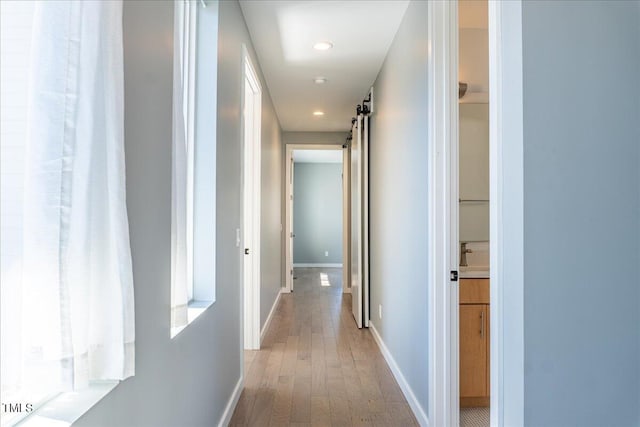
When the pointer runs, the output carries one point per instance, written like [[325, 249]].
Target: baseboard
[[326, 265], [417, 409], [269, 317], [231, 405]]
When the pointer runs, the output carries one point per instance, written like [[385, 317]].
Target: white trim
[[189, 38], [66, 408], [453, 174], [251, 223], [475, 98], [346, 219], [267, 322], [443, 293], [288, 195], [232, 403], [506, 213], [365, 286], [357, 279], [312, 265], [417, 409]]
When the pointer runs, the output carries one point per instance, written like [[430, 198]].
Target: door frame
[[288, 195], [251, 217], [506, 213], [443, 293], [356, 220]]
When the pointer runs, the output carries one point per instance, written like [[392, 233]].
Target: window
[[15, 39], [194, 161], [67, 283]]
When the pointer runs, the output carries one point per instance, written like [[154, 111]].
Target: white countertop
[[474, 273]]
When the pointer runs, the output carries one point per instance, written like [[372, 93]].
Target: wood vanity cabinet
[[474, 342]]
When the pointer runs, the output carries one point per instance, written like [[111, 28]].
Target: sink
[[477, 260]]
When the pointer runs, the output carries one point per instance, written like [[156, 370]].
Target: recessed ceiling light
[[320, 80], [318, 113], [324, 45]]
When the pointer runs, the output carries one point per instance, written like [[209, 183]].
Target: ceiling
[[317, 156], [283, 35]]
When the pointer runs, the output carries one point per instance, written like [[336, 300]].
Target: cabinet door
[[487, 319], [474, 291], [473, 350]]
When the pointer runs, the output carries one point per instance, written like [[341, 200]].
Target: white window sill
[[64, 409], [194, 310]]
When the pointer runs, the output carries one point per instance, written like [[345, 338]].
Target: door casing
[[251, 181], [506, 213], [288, 194]]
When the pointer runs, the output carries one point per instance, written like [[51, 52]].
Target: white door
[[356, 241], [248, 210], [365, 219], [346, 221], [359, 223], [291, 233], [251, 206]]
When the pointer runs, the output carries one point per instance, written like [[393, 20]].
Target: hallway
[[316, 367]]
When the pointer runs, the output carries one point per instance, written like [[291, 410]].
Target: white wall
[[188, 380], [474, 172], [473, 69], [473, 59], [398, 202]]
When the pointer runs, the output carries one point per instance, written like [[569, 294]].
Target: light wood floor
[[316, 368]]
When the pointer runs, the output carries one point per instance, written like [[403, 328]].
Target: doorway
[[473, 213], [251, 128], [505, 330], [319, 237]]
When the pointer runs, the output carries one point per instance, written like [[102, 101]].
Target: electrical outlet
[[326, 253], [380, 311]]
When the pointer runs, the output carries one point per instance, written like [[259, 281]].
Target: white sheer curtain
[[182, 174], [15, 46], [77, 305]]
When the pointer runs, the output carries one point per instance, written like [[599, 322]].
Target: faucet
[[463, 254]]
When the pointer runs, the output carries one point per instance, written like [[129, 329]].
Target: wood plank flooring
[[316, 368]]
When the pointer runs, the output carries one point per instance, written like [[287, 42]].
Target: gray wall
[[398, 201], [233, 34], [271, 223], [188, 380], [317, 213], [582, 213], [320, 138]]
